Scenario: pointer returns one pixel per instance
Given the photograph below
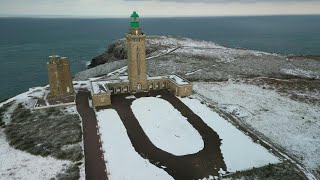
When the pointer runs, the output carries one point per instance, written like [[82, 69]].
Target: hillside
[[205, 61]]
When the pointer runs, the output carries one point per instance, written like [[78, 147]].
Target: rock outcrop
[[203, 61], [118, 51]]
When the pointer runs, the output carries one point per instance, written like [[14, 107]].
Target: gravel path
[[95, 167], [206, 162]]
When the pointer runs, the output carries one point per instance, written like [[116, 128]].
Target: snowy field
[[238, 150], [171, 132], [166, 127], [122, 161], [289, 124], [16, 164]]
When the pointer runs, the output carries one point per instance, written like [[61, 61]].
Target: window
[[138, 61]]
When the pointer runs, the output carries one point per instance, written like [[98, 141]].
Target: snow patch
[[189, 73], [16, 164], [301, 73], [166, 127], [131, 97], [235, 110], [122, 161], [290, 124], [239, 151]]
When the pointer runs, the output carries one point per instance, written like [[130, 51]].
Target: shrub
[[71, 173], [45, 132]]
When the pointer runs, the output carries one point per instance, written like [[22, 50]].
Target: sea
[[26, 43]]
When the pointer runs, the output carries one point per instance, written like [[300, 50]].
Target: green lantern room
[[134, 20]]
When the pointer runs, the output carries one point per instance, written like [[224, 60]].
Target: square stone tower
[[59, 77], [137, 69]]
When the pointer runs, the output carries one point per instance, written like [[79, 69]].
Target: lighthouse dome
[[134, 14]]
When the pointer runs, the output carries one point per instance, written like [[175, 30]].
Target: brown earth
[[206, 162]]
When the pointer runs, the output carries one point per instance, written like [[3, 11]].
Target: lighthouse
[[137, 69]]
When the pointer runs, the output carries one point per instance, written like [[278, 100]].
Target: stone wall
[[180, 90], [101, 100], [119, 88]]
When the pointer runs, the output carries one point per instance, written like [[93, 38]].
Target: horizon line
[[148, 16]]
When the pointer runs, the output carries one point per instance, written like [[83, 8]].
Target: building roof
[[99, 87]]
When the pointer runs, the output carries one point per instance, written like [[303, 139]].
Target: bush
[[3, 110], [45, 132], [71, 173]]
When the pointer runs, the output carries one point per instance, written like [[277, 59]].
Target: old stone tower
[[137, 70], [59, 77]]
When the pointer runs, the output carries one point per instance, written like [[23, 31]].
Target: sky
[[156, 8]]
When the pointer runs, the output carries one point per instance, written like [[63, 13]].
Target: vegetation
[[3, 109], [71, 173], [45, 132], [270, 172]]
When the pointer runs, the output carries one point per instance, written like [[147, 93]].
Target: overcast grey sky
[[152, 8]]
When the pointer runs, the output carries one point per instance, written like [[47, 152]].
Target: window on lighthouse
[[138, 61]]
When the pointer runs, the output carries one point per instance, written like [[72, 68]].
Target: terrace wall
[[100, 100]]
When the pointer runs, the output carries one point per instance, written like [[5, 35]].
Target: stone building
[[137, 79], [60, 80]]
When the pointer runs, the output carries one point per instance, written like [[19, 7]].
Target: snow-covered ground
[[300, 72], [81, 85], [289, 124], [180, 42], [73, 110], [238, 150], [166, 127], [16, 164], [182, 56], [122, 161], [28, 98]]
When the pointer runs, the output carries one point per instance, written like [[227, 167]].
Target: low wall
[[100, 100], [178, 90]]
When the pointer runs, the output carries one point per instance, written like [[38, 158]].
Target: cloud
[[156, 8]]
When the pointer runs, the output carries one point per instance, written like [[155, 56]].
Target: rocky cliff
[[202, 60]]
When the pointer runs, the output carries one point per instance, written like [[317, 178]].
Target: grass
[[279, 171], [71, 173], [45, 132], [3, 109]]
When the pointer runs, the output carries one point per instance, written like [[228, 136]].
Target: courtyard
[[156, 135]]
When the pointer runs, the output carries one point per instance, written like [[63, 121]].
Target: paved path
[[95, 167], [206, 162]]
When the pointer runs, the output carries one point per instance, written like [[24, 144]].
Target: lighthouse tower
[[137, 70]]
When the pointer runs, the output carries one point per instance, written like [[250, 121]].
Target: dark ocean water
[[26, 43]]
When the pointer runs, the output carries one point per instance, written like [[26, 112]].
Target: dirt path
[[202, 164], [95, 167]]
